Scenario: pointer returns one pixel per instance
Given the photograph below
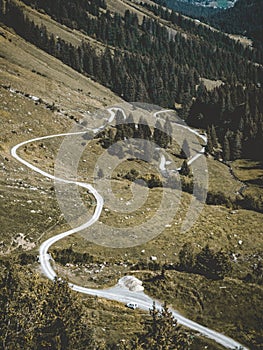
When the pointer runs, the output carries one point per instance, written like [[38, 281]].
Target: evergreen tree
[[168, 130], [129, 127], [162, 332], [185, 150], [185, 169], [120, 126], [60, 320], [213, 136], [148, 151], [107, 64], [159, 136], [237, 146], [226, 149], [186, 257], [119, 117], [209, 145], [143, 131], [37, 315], [205, 262], [138, 70], [212, 265]]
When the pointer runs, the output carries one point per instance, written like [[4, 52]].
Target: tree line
[[153, 39], [254, 53], [233, 117], [215, 265], [149, 65], [244, 18]]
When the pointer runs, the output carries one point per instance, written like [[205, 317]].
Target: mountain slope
[[73, 55], [245, 18], [21, 63], [156, 55]]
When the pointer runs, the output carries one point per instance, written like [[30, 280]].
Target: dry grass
[[251, 173], [28, 205], [74, 37], [22, 63], [120, 6], [218, 226], [242, 39], [247, 170], [229, 306], [221, 180]]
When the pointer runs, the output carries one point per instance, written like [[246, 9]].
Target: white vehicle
[[132, 305]]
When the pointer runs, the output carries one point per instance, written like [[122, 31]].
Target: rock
[[132, 283]]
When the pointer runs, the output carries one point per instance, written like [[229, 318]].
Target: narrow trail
[[117, 293]]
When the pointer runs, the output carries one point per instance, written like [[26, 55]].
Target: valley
[[180, 212]]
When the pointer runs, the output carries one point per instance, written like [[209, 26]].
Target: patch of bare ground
[[211, 84], [241, 39]]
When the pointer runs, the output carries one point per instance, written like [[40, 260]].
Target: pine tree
[[185, 169], [148, 151], [209, 145], [106, 64], [213, 137], [214, 265], [186, 257], [237, 146], [143, 131], [97, 68], [226, 149], [120, 126], [141, 94], [130, 89], [161, 332], [119, 117], [205, 262], [129, 127], [37, 315], [159, 136], [168, 130], [185, 150]]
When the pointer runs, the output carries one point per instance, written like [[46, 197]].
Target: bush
[[68, 255], [213, 265]]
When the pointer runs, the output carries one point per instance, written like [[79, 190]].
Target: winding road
[[117, 293]]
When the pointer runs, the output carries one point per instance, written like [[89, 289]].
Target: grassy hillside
[[26, 71], [21, 63], [39, 95]]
